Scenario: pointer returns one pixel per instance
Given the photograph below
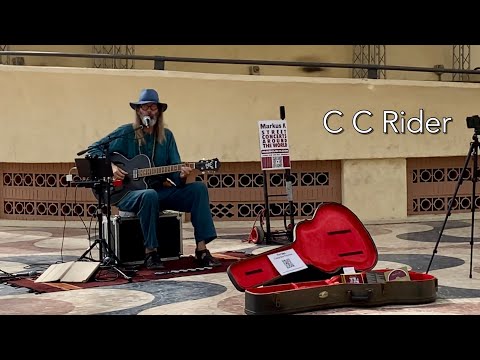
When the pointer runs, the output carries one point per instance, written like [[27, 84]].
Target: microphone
[[146, 121]]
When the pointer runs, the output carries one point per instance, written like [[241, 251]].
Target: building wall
[[419, 56], [375, 184], [304, 53], [50, 114], [402, 55], [55, 60]]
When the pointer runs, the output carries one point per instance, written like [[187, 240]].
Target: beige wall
[[307, 53], [419, 56], [375, 189], [54, 60], [475, 61], [49, 114], [402, 55], [218, 114], [474, 56], [310, 53]]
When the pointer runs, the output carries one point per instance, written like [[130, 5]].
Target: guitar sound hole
[[338, 232], [251, 272], [351, 253]]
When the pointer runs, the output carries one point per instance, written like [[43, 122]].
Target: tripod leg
[[110, 255], [125, 276], [89, 249], [268, 234], [473, 201], [450, 205], [110, 260]]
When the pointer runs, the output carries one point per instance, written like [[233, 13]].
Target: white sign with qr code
[[287, 261]]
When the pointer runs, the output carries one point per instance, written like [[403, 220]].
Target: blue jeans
[[192, 198]]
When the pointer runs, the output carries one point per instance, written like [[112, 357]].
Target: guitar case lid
[[332, 239]]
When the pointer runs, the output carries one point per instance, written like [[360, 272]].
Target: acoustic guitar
[[140, 171]]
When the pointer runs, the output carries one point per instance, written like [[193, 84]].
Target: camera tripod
[[472, 153]]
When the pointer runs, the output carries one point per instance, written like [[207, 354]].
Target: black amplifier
[[126, 239]]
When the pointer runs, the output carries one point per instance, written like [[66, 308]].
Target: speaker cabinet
[[126, 237]]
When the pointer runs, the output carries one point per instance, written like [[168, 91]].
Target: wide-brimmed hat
[[148, 96]]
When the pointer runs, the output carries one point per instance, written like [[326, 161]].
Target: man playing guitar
[[148, 140]]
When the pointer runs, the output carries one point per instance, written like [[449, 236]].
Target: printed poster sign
[[287, 261], [274, 151]]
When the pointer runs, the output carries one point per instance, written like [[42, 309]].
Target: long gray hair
[[159, 129]]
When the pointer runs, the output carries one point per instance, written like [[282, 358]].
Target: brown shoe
[[204, 258], [153, 261]]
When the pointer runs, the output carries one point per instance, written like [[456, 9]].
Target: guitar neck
[[158, 170]]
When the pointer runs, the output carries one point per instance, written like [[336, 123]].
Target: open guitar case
[[333, 239]]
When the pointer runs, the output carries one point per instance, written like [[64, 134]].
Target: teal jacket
[[122, 140]]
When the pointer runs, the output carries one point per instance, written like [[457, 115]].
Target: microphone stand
[[106, 255], [108, 141], [104, 186]]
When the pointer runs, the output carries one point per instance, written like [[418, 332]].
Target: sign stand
[[275, 155]]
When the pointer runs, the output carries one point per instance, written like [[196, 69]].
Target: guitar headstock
[[208, 165]]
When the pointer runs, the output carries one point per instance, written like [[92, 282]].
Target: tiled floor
[[410, 243]]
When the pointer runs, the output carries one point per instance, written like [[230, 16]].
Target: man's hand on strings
[[184, 172], [118, 173]]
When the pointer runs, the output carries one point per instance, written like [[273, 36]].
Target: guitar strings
[[153, 153]]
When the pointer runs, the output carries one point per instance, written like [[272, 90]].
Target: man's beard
[[153, 121], [148, 121]]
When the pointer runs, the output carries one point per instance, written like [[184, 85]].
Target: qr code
[[288, 263], [277, 161]]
